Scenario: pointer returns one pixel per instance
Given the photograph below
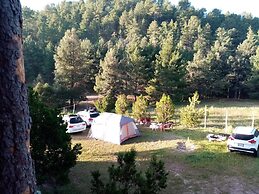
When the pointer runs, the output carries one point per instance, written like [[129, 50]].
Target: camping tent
[[113, 128]]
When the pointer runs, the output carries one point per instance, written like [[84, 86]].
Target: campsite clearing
[[199, 166], [195, 165]]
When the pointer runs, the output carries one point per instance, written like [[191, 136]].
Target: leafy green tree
[[164, 109], [153, 34], [110, 76], [33, 53], [241, 67], [253, 82], [51, 146], [190, 115], [121, 105], [105, 104], [70, 65], [139, 107], [198, 66], [218, 60], [45, 93], [188, 37], [236, 21], [90, 61], [215, 19], [139, 32], [101, 104], [125, 178], [138, 66], [169, 71], [184, 11]]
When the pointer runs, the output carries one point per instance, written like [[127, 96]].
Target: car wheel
[[229, 150], [256, 152]]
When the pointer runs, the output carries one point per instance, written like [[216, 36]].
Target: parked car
[[88, 116], [244, 139], [66, 118], [75, 124]]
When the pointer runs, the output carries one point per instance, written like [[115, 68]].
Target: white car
[[244, 139], [88, 116], [75, 124], [66, 118]]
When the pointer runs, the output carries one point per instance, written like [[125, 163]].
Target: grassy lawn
[[203, 167]]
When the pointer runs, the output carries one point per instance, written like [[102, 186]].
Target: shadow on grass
[[190, 172], [147, 135]]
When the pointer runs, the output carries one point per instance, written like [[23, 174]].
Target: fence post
[[74, 108], [205, 117], [226, 121], [253, 118]]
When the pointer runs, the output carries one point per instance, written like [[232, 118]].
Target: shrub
[[101, 104], [190, 115], [51, 147], [164, 109], [121, 105], [139, 108], [125, 178], [105, 104]]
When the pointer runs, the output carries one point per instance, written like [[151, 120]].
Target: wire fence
[[229, 118]]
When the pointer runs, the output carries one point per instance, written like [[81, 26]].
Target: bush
[[139, 108], [164, 109], [105, 104], [51, 147], [125, 178], [190, 115], [121, 105]]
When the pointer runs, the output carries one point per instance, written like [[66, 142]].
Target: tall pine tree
[[71, 69]]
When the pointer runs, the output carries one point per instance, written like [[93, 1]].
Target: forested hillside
[[138, 47]]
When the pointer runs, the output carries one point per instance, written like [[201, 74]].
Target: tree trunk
[[228, 96], [16, 168], [239, 94]]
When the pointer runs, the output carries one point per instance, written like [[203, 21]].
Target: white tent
[[113, 128]]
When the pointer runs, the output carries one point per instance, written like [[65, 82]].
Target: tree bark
[[16, 168]]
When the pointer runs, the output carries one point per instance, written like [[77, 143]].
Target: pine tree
[[138, 65], [241, 67], [51, 147], [121, 105], [189, 36], [71, 69], [190, 115], [139, 107], [153, 34], [17, 173], [253, 82], [126, 178], [169, 71], [90, 63], [164, 109], [198, 66], [109, 80], [218, 60]]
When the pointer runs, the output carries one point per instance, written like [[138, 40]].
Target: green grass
[[209, 168]]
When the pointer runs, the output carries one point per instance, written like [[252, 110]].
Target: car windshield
[[94, 115], [242, 136], [76, 120]]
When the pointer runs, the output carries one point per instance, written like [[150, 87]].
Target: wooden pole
[[74, 108], [205, 117], [253, 118], [226, 121]]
